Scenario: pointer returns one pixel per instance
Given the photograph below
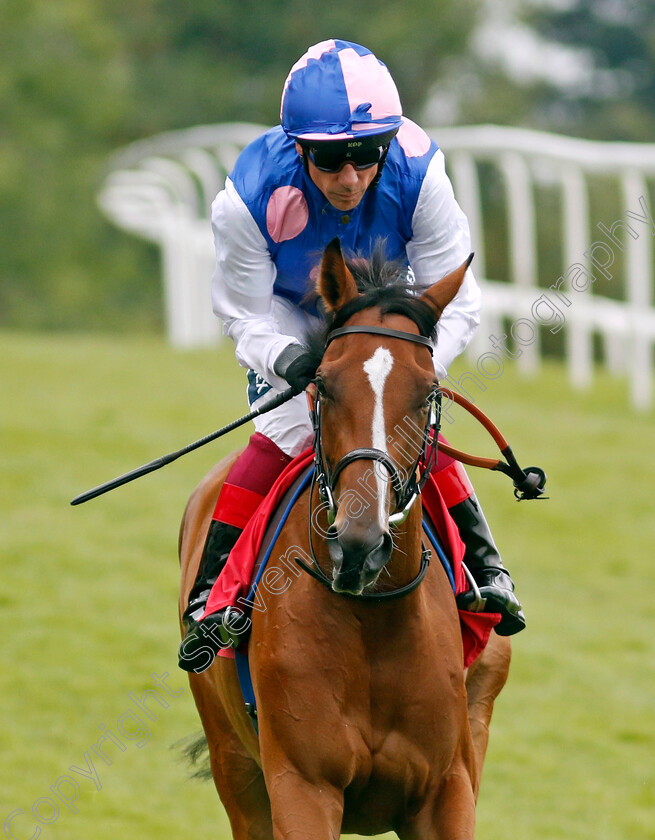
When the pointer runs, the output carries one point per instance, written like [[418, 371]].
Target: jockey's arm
[[242, 286], [440, 243]]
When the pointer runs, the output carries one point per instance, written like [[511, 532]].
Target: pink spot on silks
[[286, 214], [367, 80], [414, 141]]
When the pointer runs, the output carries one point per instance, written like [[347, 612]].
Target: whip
[[158, 463]]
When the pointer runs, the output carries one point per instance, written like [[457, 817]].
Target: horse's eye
[[320, 387], [429, 401], [424, 407]]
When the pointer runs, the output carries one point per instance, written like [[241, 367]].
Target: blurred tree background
[[570, 66], [81, 78]]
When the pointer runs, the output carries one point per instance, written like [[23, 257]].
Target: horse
[[368, 721]]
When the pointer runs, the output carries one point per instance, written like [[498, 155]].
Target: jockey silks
[[297, 221], [271, 223]]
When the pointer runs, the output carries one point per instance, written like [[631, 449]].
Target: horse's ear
[[335, 283], [441, 293]]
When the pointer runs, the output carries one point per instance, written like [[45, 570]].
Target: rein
[[528, 484]]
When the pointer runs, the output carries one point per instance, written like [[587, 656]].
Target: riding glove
[[297, 365]]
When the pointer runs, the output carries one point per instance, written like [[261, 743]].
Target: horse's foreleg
[[303, 810], [484, 682], [450, 814], [240, 785], [454, 817], [237, 776]]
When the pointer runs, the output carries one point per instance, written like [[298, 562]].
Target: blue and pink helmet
[[339, 90]]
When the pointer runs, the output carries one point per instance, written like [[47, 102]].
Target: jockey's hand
[[297, 365]]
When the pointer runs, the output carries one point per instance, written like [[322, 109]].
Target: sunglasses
[[332, 158]]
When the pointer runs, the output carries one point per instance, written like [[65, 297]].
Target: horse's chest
[[401, 771], [388, 715], [418, 714]]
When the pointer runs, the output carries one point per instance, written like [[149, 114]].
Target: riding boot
[[250, 478], [221, 538], [203, 639], [486, 567]]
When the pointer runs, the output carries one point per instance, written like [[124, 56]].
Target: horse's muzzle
[[358, 556]]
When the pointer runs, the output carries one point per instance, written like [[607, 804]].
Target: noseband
[[406, 489]]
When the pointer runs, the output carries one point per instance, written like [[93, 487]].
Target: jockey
[[344, 162]]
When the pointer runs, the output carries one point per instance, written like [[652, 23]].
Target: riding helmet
[[339, 90]]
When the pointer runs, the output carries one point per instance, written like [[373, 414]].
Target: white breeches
[[288, 426]]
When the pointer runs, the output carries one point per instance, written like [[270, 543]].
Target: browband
[[417, 339]]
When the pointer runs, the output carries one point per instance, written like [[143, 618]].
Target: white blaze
[[377, 369]]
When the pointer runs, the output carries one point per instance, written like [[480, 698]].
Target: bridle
[[406, 488]]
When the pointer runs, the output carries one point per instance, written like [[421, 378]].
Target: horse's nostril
[[332, 533], [379, 555], [360, 557]]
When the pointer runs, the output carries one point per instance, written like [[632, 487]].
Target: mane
[[383, 284]]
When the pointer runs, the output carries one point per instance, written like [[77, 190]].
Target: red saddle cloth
[[234, 581]]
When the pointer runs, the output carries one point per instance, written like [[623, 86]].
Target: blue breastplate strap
[[241, 657], [245, 681], [436, 545]]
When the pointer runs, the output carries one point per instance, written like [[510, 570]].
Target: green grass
[[88, 601]]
